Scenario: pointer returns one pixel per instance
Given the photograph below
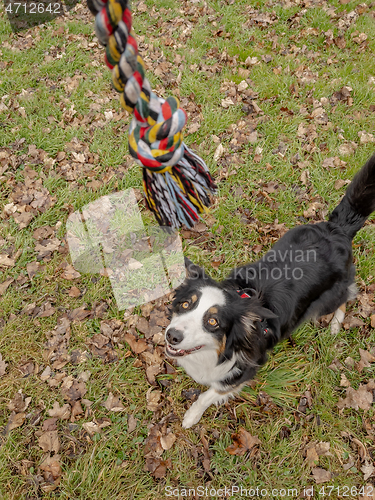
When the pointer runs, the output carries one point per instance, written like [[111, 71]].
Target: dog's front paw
[[192, 417], [335, 326]]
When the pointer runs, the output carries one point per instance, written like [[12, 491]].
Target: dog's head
[[208, 316]]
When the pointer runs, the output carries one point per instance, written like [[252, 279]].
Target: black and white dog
[[220, 332]]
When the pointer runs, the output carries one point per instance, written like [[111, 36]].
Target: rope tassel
[[177, 183]]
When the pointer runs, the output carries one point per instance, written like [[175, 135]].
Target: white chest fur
[[203, 368]]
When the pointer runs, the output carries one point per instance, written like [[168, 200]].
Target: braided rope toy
[[176, 182]]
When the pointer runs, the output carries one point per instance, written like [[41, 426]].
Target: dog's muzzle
[[176, 353], [174, 337]]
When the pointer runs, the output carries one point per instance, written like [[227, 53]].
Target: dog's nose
[[174, 336]]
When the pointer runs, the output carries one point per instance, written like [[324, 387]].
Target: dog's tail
[[358, 202]]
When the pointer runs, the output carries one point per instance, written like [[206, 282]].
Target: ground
[[281, 103]]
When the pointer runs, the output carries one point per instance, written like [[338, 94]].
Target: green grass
[[111, 464]]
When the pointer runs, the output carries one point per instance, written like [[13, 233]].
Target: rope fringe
[[176, 181]]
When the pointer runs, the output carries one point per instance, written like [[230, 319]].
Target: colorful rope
[[176, 182]]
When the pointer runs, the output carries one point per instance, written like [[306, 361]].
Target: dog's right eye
[[185, 305]]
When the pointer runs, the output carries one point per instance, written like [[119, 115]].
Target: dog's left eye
[[185, 305], [212, 322]]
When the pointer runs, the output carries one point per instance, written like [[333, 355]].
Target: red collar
[[245, 295]]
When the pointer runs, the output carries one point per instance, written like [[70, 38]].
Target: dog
[[220, 332]]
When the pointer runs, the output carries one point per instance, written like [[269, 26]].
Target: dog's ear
[[193, 271], [258, 314], [265, 322], [255, 330]]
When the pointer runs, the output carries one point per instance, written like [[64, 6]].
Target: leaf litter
[[243, 442], [29, 197]]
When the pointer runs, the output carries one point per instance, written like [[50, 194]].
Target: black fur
[[305, 275]]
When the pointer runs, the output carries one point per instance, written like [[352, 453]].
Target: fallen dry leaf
[[74, 292], [344, 382], [42, 233], [146, 309], [91, 428], [137, 346], [153, 447], [322, 448], [113, 403], [49, 441], [99, 340], [194, 127], [143, 326], [15, 420], [32, 268], [158, 318], [132, 423], [75, 391], [366, 304], [51, 471], [333, 162], [84, 376], [366, 359], [106, 329], [5, 285], [340, 41], [219, 152], [70, 273], [312, 457], [76, 410], [134, 264], [321, 475], [46, 310], [356, 399], [56, 411], [47, 247], [24, 219], [347, 148], [19, 403], [349, 361], [315, 450], [46, 374], [3, 366], [157, 466], [367, 469], [339, 183], [167, 441], [5, 261], [312, 209], [153, 398], [191, 394], [79, 314], [152, 371], [50, 424], [243, 441], [228, 101], [365, 137], [351, 321]]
